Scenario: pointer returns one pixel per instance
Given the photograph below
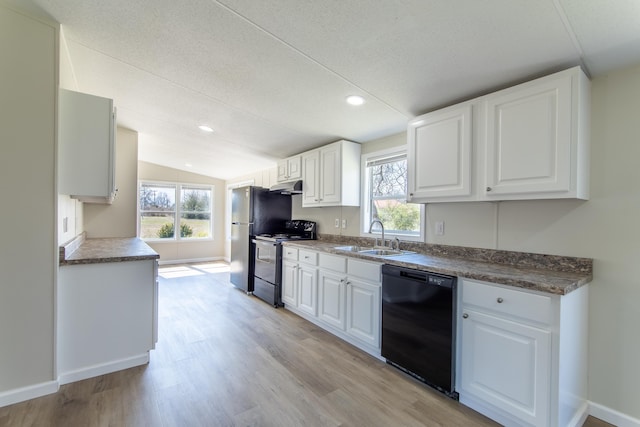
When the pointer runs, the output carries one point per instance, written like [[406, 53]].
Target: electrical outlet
[[439, 228], [344, 223], [337, 223]]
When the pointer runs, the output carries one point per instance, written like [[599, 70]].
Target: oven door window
[[265, 265]]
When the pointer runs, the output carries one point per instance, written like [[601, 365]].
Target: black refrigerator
[[254, 211]]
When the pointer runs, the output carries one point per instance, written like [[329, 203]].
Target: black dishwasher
[[418, 325]]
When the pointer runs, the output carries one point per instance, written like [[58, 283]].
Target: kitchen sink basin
[[380, 252], [384, 252], [351, 248]]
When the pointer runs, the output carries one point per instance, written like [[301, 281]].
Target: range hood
[[289, 187]]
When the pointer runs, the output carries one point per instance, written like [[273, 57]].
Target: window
[[385, 196], [160, 215]]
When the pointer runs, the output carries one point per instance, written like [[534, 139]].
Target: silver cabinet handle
[[464, 316], [500, 300], [488, 188]]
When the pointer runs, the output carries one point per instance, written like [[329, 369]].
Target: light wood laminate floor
[[228, 359]]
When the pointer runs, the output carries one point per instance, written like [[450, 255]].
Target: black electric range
[[268, 258]]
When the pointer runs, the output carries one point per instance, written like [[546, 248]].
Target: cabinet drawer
[[333, 262], [290, 253], [368, 271], [511, 302], [308, 257]]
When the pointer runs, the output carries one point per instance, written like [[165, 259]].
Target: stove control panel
[[302, 227]]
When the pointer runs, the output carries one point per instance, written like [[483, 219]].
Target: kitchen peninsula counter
[[101, 250], [107, 306], [551, 274]]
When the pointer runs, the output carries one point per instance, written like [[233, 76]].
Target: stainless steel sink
[[380, 252], [384, 252], [351, 248]]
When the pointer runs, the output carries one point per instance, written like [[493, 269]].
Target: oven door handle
[[263, 242]]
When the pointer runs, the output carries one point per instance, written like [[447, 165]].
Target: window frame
[[177, 212], [365, 205]]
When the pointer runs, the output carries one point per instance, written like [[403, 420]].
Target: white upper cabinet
[[290, 169], [440, 161], [331, 175], [529, 141], [86, 147], [537, 142]]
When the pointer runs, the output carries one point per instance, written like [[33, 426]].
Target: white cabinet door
[[439, 159], [330, 174], [363, 312], [290, 283], [283, 170], [294, 167], [506, 364], [289, 169], [308, 289], [310, 183], [331, 289], [529, 137], [86, 147]]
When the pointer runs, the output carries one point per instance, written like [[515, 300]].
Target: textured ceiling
[[271, 76]]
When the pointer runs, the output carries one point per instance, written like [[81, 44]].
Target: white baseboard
[[190, 260], [580, 416], [612, 416], [26, 393], [105, 368]]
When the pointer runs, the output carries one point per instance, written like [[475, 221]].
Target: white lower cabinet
[[308, 288], [363, 308], [347, 292], [511, 346], [300, 280], [107, 317], [332, 298]]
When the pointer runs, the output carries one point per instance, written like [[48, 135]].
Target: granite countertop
[[90, 251], [546, 273]]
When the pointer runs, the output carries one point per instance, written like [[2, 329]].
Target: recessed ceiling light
[[205, 128], [355, 100], [189, 165]]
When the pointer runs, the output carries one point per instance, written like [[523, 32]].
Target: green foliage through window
[[167, 230]]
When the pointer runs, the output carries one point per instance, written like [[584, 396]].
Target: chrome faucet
[[396, 241], [376, 220]]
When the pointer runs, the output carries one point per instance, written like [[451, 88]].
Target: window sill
[[177, 241], [391, 236]]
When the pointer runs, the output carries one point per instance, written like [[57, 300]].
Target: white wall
[[28, 261], [189, 250], [69, 210], [119, 218]]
